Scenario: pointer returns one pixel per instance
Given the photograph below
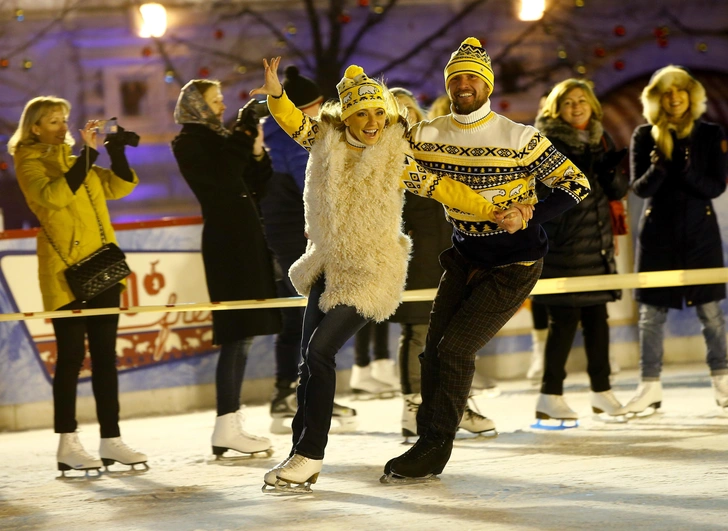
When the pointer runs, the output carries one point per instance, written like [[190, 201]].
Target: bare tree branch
[[373, 19], [423, 44]]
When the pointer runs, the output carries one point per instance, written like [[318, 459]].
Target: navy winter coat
[[678, 228]]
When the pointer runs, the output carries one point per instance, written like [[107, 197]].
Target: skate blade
[[647, 412], [473, 435], [555, 424], [394, 479], [283, 487], [602, 416], [79, 474], [366, 395], [131, 471], [233, 456]]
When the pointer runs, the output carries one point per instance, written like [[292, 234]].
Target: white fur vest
[[353, 204]]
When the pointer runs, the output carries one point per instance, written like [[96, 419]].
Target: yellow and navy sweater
[[500, 160], [414, 177]]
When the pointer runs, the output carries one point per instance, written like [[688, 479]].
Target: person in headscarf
[[226, 171]]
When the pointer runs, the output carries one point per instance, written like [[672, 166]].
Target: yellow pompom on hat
[[357, 91], [470, 58]]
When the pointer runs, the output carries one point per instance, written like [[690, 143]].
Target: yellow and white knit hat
[[470, 58], [357, 91]]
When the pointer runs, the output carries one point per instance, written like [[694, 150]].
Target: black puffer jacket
[[424, 222], [581, 242], [678, 228]]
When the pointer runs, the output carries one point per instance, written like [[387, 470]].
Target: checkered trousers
[[470, 307]]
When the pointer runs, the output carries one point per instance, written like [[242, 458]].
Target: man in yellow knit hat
[[355, 264], [489, 271]]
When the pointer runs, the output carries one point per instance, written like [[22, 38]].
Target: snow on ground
[[669, 471]]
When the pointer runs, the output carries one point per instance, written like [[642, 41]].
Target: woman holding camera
[[227, 170], [68, 194]]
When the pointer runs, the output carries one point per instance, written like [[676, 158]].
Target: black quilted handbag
[[99, 271]]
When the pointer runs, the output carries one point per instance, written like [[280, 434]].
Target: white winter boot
[[72, 456], [409, 414], [474, 422], [606, 402], [230, 435], [720, 386], [554, 407], [362, 382], [114, 450], [538, 347], [385, 371], [648, 397]]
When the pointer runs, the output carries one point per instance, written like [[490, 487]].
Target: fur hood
[[557, 128], [652, 110], [664, 79], [353, 202]]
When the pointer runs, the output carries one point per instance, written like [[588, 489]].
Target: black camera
[[116, 133], [259, 109]]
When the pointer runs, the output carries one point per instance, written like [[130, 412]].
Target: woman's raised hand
[[88, 133], [272, 86]]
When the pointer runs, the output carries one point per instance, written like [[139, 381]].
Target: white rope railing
[[656, 279]]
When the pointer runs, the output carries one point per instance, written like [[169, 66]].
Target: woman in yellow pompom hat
[[355, 264]]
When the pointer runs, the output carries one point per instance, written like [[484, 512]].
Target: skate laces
[[296, 461], [73, 445], [474, 412]]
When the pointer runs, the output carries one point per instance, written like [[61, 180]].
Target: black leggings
[[230, 373], [376, 334], [71, 333]]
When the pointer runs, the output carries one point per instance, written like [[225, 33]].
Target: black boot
[[427, 457], [283, 402]]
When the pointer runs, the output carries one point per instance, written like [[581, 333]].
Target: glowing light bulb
[[154, 20], [532, 9]]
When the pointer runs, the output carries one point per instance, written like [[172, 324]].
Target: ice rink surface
[[665, 472]]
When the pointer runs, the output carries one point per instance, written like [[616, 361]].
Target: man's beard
[[461, 108]]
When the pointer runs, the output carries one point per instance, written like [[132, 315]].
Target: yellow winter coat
[[69, 218]]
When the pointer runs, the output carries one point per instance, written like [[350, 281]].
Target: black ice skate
[[421, 463], [283, 409]]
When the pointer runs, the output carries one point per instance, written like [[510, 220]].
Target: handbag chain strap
[[98, 220]]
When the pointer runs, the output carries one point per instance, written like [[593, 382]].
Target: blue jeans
[[323, 336], [651, 325]]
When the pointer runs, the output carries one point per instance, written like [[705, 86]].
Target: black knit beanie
[[301, 90]]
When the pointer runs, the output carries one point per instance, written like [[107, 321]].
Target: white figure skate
[[557, 413], [720, 386], [474, 422], [409, 415], [647, 400], [295, 475], [385, 371], [363, 384], [114, 450], [605, 403], [230, 435], [72, 456], [538, 347]]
